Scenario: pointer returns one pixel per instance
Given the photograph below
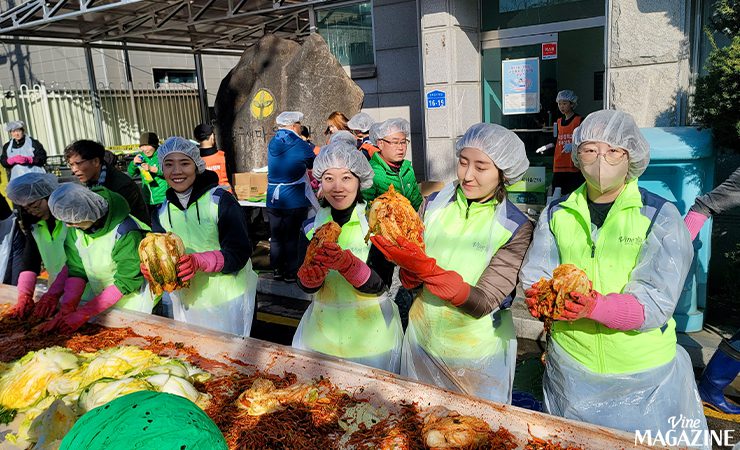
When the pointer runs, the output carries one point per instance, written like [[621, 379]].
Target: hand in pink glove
[[616, 311], [191, 263], [581, 307], [312, 275], [145, 272], [48, 302], [694, 221], [26, 287], [73, 289], [73, 321], [51, 325], [26, 160], [352, 268], [18, 159]]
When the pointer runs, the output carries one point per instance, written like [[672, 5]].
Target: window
[[348, 30], [165, 78]]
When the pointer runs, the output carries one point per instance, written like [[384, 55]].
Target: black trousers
[[285, 229], [18, 245]]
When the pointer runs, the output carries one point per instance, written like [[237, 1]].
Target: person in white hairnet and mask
[[30, 193], [390, 164], [461, 334], [101, 248], [22, 154], [289, 193], [360, 125], [612, 359], [351, 316], [213, 228]]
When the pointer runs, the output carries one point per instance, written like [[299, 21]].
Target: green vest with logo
[[607, 255], [346, 322], [197, 226], [462, 237], [51, 246], [95, 254]]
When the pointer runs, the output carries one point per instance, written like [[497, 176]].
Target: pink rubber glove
[[312, 275], [694, 221], [26, 160], [74, 287], [18, 159], [72, 322], [145, 272], [352, 268], [617, 311], [48, 302], [26, 287], [190, 264]]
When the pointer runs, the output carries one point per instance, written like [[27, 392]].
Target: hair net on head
[[30, 187], [74, 203], [289, 118], [177, 144], [372, 133], [618, 129], [360, 122], [391, 126], [341, 155], [504, 148], [14, 125], [567, 96], [343, 136]]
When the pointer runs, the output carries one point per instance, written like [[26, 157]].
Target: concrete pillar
[[648, 60], [450, 31]]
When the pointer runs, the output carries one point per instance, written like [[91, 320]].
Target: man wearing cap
[[360, 125], [215, 159], [145, 163], [86, 159], [289, 193], [22, 154]]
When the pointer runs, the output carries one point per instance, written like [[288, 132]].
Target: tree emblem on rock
[[263, 104]]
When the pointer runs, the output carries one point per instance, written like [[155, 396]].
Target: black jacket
[[232, 222], [126, 187], [39, 154]]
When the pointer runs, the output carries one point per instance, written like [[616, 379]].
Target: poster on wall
[[521, 86], [505, 6]]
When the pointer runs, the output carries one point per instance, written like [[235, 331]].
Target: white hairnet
[[74, 203], [373, 133], [343, 136], [177, 144], [504, 148], [360, 122], [618, 129], [289, 118], [340, 155], [31, 187], [14, 125], [567, 96], [391, 126]]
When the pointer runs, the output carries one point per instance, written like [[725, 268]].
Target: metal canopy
[[201, 26]]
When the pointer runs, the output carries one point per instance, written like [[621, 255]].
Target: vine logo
[[263, 104]]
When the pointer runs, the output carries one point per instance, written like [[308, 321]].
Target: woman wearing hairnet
[[389, 163], [30, 193], [612, 358], [102, 250], [460, 334], [213, 229], [350, 317]]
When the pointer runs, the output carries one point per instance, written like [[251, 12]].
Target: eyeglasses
[[34, 204], [402, 143], [612, 156], [72, 165]]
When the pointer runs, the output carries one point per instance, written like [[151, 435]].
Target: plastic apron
[[95, 254], [25, 150], [7, 228], [51, 246], [307, 191], [443, 345], [221, 302], [344, 322]]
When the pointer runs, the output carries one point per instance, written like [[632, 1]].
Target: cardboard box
[[250, 186]]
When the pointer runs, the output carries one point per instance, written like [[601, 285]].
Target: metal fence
[[57, 116]]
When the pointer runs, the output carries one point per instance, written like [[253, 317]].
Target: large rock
[[273, 76]]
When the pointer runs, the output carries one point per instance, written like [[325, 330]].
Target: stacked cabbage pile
[[52, 387]]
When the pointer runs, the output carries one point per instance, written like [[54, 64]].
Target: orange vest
[[217, 163], [369, 148], [563, 161]]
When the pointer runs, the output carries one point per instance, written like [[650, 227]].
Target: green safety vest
[[462, 238], [608, 261], [197, 226], [51, 246], [345, 322], [95, 254]]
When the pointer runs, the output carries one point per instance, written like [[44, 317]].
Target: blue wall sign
[[436, 99]]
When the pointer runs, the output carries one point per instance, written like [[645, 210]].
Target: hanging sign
[[549, 50], [521, 86]]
